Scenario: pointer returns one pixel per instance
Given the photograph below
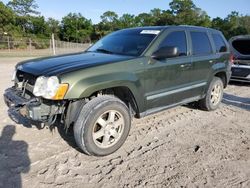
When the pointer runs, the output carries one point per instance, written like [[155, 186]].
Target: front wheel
[[102, 126], [214, 95]]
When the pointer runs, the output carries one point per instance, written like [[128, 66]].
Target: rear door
[[202, 59], [167, 81]]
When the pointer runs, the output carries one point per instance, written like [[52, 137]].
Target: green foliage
[[144, 19], [108, 22], [39, 43], [186, 13], [6, 17], [53, 27], [21, 19], [23, 7], [75, 27], [126, 20], [232, 25], [38, 26]]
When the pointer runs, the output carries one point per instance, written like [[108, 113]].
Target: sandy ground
[[180, 147]]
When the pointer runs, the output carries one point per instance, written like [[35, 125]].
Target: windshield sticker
[[151, 32]]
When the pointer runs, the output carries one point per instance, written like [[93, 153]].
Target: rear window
[[242, 46], [200, 43], [219, 43]]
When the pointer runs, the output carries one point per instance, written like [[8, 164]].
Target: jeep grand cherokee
[[129, 73]]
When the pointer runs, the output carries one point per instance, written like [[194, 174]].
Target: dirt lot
[[180, 147]]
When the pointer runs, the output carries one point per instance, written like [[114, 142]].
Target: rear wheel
[[214, 95], [102, 126]]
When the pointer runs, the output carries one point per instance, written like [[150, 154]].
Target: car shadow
[[241, 102], [14, 158]]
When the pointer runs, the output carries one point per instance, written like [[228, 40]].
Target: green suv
[[129, 73]]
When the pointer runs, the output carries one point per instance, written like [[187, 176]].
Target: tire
[[214, 95], [102, 126]]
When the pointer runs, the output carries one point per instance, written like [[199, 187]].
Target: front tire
[[102, 126], [214, 95]]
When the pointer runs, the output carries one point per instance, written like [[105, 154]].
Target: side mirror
[[166, 52]]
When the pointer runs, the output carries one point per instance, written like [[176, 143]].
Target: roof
[[173, 26]]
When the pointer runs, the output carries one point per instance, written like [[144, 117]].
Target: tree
[[53, 26], [75, 27], [234, 27], [181, 6], [24, 7], [109, 17], [166, 18], [156, 14], [126, 20], [39, 26], [144, 19], [6, 17], [109, 21], [231, 25], [245, 22], [186, 13]]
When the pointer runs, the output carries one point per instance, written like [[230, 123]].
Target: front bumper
[[31, 108]]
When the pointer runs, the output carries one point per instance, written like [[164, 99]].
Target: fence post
[[50, 46], [30, 45], [53, 44], [8, 38]]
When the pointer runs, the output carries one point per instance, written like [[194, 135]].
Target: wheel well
[[223, 77], [124, 94]]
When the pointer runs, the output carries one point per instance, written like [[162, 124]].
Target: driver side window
[[176, 39]]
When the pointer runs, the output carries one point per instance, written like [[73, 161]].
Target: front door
[[167, 81]]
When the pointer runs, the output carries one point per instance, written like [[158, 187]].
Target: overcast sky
[[92, 9]]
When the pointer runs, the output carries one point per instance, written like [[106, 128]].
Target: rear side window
[[200, 43], [219, 43], [176, 39]]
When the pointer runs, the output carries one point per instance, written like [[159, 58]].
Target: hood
[[67, 63]]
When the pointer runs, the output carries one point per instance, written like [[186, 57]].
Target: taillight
[[232, 58]]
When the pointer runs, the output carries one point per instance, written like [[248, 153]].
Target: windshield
[[131, 42]]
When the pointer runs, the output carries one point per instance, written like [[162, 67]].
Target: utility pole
[[53, 44]]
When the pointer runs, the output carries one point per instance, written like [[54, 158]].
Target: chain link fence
[[23, 46]]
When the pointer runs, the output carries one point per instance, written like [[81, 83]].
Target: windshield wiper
[[104, 51]]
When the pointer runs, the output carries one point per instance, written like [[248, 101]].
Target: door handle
[[187, 65]]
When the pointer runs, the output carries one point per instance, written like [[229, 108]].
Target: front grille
[[25, 82], [24, 77]]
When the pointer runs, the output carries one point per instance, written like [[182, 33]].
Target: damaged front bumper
[[32, 108]]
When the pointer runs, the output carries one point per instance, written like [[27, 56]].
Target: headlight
[[40, 86], [50, 88]]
